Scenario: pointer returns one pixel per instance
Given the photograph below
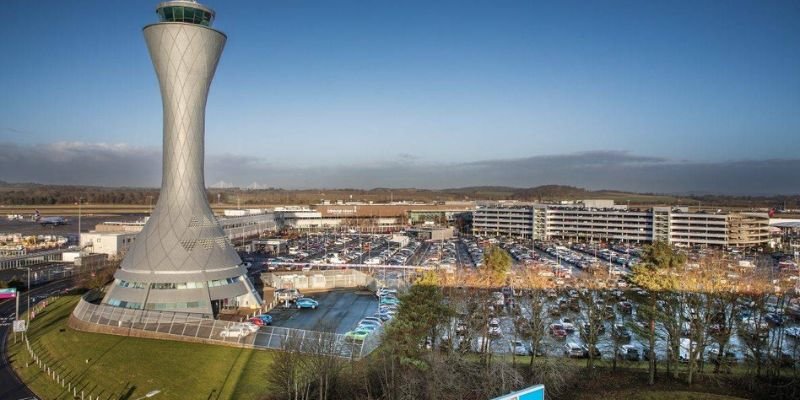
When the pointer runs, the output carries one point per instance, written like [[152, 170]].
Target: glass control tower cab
[[182, 260]]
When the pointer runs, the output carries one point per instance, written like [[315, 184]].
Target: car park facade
[[602, 220]]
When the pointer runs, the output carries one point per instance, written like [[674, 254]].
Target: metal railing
[[190, 327]]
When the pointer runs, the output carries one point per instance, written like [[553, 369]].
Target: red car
[[557, 330], [257, 321]]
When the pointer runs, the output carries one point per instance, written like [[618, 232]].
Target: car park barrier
[[190, 327]]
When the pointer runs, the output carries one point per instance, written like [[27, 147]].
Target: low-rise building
[[431, 233], [112, 244]]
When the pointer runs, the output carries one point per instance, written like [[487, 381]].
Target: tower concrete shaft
[[182, 260]]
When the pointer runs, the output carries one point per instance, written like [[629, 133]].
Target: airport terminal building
[[602, 220]]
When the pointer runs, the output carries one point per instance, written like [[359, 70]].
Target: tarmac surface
[[338, 311], [88, 222]]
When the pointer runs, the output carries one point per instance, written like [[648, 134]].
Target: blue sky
[[356, 85]]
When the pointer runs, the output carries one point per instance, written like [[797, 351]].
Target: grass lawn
[[127, 368]]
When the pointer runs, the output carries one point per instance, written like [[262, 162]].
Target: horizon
[[443, 189]]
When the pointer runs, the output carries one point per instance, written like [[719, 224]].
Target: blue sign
[[531, 393]]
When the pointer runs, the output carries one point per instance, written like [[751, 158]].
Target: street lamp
[[80, 200]]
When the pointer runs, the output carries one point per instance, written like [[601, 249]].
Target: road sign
[[531, 393], [20, 325], [8, 293]]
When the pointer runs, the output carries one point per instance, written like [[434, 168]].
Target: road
[[11, 387], [39, 273]]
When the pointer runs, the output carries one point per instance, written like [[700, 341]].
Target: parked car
[[520, 348], [234, 332], [386, 292], [793, 332], [557, 331], [567, 324], [621, 333], [773, 319], [461, 328], [369, 322], [305, 302], [554, 311], [389, 300], [683, 350], [373, 319], [574, 350], [628, 352], [383, 316], [494, 328], [368, 328], [253, 328], [595, 351], [357, 334], [713, 356], [287, 295], [257, 321], [586, 327]]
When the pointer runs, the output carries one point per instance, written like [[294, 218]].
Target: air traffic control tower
[[182, 261]]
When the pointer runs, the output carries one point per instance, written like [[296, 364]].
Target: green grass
[[127, 368]]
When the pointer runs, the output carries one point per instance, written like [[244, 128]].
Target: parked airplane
[[54, 221]]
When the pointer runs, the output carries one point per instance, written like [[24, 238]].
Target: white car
[[567, 324], [520, 348], [248, 326], [386, 292], [793, 331], [494, 327], [234, 332]]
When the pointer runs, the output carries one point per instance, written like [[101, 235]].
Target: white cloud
[[119, 164]]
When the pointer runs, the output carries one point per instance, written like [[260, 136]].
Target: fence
[[63, 380], [67, 380], [194, 328], [320, 280], [338, 279]]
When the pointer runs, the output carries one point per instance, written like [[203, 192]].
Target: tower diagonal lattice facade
[[182, 260]]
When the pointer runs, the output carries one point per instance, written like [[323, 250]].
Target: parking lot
[[785, 334], [338, 312]]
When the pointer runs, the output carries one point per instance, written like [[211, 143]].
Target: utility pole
[[29, 294], [80, 199], [16, 315]]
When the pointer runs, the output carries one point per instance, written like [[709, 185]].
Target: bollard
[[81, 394]]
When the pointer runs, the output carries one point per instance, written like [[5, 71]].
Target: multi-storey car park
[[602, 220]]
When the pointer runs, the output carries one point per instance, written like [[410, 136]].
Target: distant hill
[[38, 194]]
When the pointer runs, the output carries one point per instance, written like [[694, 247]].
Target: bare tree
[[592, 297]]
